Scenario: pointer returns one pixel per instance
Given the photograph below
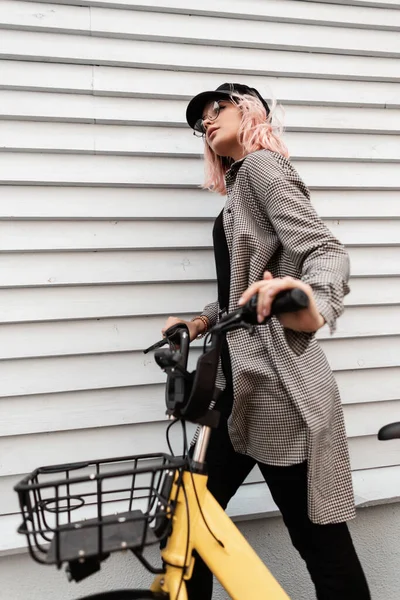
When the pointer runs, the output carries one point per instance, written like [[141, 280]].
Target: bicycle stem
[[200, 449]]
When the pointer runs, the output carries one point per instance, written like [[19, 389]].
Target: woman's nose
[[206, 122]]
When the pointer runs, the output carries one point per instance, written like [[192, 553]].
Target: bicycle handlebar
[[188, 395], [286, 301]]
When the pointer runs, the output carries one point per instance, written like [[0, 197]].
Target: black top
[[222, 263], [223, 268]]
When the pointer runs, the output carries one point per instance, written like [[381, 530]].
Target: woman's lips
[[212, 132]]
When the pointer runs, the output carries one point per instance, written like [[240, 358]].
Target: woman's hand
[[307, 319], [195, 327]]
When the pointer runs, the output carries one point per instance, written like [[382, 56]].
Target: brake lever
[[159, 344], [171, 337]]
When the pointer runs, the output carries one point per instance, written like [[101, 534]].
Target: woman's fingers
[[267, 275], [249, 293], [268, 292], [169, 322], [267, 289]]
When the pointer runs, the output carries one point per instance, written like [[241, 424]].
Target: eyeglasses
[[212, 115]]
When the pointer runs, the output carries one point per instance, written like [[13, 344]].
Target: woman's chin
[[220, 148]]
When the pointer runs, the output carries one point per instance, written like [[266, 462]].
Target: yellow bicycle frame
[[232, 560]]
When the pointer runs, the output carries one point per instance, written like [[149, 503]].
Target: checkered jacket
[[286, 403]]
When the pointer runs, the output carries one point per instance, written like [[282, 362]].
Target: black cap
[[195, 108]]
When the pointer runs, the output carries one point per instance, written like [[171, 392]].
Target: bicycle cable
[[167, 436]]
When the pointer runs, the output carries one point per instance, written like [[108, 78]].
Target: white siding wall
[[104, 232]]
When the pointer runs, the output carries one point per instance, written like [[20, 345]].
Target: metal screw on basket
[[92, 476], [124, 545], [81, 555], [122, 520], [77, 525]]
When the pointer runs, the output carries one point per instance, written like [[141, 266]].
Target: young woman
[[280, 406]]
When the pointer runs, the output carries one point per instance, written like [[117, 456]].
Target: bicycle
[[79, 513]]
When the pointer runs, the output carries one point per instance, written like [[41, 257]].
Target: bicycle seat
[[389, 432]]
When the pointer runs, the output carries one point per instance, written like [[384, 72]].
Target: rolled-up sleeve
[[314, 250], [211, 312]]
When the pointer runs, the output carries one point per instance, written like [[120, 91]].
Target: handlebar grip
[[284, 302], [289, 301], [389, 432]]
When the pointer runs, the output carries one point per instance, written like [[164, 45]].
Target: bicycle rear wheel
[[126, 595]]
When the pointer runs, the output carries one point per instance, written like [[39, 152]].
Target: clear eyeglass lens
[[199, 127], [213, 112]]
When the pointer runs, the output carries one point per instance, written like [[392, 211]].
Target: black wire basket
[[84, 511]]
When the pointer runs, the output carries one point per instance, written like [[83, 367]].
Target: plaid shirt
[[287, 406]]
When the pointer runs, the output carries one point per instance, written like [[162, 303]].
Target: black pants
[[327, 550]]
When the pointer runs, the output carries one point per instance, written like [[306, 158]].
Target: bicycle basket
[[81, 510]]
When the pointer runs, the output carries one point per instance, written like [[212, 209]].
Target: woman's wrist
[[202, 325]]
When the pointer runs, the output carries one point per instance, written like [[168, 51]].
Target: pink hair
[[256, 132]]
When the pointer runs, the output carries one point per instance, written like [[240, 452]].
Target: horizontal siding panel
[[368, 452], [84, 235], [39, 46], [106, 267], [365, 452], [21, 270], [85, 138], [64, 169], [140, 25], [369, 353], [63, 374], [181, 85], [366, 321], [368, 3], [157, 84], [19, 202], [22, 202], [28, 236], [135, 333], [366, 233], [82, 409], [122, 405], [363, 262], [362, 294], [369, 385], [49, 304], [269, 10], [86, 302], [170, 115], [95, 371], [88, 444], [367, 419]]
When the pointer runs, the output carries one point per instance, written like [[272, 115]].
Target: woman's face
[[222, 132]]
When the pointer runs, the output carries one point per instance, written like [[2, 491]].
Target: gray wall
[[376, 533]]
